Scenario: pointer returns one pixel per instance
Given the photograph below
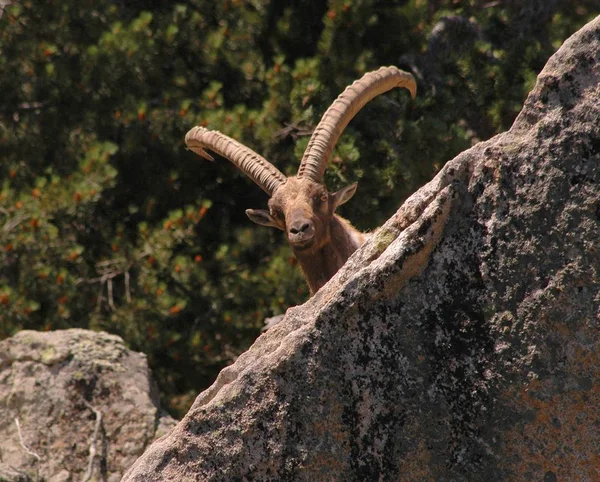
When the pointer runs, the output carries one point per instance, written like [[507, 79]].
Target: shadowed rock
[[460, 343], [53, 386]]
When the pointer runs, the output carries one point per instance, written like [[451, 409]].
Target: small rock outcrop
[[460, 343], [74, 405]]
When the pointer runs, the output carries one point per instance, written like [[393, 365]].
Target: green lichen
[[511, 149], [383, 238], [48, 355]]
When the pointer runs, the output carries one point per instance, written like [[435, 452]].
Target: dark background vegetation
[[108, 223]]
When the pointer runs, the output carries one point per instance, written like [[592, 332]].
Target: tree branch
[[13, 223]]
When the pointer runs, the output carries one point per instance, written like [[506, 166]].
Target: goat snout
[[301, 231]]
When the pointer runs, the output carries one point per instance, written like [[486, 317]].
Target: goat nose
[[296, 230]]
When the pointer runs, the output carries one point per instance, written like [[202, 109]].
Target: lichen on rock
[[51, 384]]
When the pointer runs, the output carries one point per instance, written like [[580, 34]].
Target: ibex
[[300, 205]]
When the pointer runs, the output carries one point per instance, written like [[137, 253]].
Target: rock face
[[53, 388], [461, 343]]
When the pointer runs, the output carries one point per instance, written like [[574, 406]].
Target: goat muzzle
[[301, 232]]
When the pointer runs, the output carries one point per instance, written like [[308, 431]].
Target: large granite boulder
[[74, 405], [461, 343]]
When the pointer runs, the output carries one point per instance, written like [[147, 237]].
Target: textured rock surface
[[458, 350], [52, 383]]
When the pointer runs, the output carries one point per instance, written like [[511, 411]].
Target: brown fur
[[320, 265], [321, 240]]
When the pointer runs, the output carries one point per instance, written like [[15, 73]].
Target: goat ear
[[262, 217], [343, 195]]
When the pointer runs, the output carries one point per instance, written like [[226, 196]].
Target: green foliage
[[107, 222]]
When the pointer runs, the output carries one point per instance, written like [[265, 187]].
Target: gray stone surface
[[10, 474], [460, 343], [51, 383]]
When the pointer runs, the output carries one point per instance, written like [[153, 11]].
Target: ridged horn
[[340, 113], [256, 167]]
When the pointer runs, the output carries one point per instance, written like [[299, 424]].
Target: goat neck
[[319, 265]]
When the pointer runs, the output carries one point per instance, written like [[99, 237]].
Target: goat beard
[[303, 245]]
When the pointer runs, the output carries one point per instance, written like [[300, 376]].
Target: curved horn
[[341, 112], [256, 167]]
